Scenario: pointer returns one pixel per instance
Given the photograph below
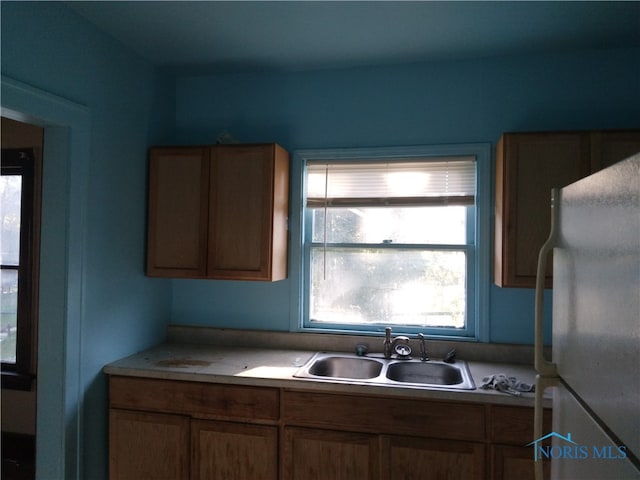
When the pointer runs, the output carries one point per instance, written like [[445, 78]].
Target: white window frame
[[477, 320]]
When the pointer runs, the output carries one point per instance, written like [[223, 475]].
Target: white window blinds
[[429, 181]]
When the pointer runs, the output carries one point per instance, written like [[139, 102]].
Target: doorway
[[22, 147], [67, 127]]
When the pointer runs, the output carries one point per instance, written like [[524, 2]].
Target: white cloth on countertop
[[503, 383]]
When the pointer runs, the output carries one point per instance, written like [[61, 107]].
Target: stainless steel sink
[[346, 367], [377, 370], [424, 372]]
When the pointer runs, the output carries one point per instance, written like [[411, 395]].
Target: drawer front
[[456, 421], [193, 398]]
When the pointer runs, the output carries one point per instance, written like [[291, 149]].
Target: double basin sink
[[376, 370]]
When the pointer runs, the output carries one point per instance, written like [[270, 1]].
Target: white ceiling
[[281, 35]]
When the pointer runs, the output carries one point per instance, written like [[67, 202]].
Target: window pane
[[8, 315], [388, 286], [422, 225], [10, 194]]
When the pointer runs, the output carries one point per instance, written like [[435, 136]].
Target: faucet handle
[[450, 357], [362, 349]]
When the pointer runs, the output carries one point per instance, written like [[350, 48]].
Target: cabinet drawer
[[192, 398], [514, 425], [456, 421]]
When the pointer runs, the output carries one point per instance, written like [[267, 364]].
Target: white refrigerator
[[594, 371]]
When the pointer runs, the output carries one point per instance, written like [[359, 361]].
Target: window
[[390, 238], [18, 266]]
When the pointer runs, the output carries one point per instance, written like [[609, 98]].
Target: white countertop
[[276, 367]]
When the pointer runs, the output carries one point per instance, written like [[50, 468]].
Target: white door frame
[[61, 305]]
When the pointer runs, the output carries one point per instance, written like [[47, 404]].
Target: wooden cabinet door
[[248, 212], [233, 451], [509, 462], [148, 446], [510, 429], [177, 212], [413, 458], [528, 166], [312, 454], [609, 147]]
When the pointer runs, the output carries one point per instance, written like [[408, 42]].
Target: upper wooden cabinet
[[609, 147], [528, 166], [218, 212]]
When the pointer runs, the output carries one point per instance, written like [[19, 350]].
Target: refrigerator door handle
[[542, 366]]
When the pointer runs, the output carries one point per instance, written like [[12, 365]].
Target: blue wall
[[432, 103], [130, 106], [133, 105]]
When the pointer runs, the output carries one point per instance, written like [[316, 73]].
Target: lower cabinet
[[427, 459], [148, 446], [224, 450], [382, 438], [510, 431], [174, 447], [176, 430], [326, 454], [513, 462]]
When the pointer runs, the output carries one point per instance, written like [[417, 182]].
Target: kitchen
[[120, 104]]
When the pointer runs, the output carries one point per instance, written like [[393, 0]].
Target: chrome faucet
[[386, 346], [423, 348], [399, 345]]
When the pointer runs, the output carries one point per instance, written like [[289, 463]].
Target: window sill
[[16, 381]]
